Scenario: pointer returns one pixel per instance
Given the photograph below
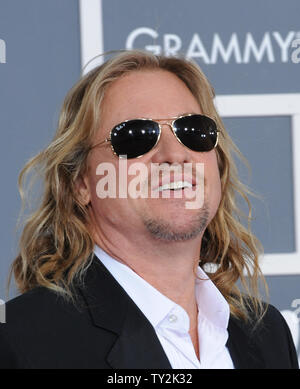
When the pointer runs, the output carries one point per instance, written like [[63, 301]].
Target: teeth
[[175, 185]]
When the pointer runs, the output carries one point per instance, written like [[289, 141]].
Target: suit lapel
[[241, 344], [137, 345]]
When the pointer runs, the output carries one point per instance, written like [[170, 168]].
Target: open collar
[[155, 305], [137, 345]]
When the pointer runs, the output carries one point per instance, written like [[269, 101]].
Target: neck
[[170, 267]]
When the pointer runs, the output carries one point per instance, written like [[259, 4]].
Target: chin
[[177, 226]]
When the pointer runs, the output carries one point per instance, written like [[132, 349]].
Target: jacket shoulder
[[273, 337], [30, 318], [38, 303]]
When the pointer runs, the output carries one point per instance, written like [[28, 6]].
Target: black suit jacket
[[105, 329]]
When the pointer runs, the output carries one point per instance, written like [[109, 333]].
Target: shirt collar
[[150, 301], [154, 305], [211, 303]]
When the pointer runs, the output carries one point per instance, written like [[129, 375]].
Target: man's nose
[[169, 149]]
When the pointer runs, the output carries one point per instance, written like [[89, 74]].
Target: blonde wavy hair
[[56, 248]]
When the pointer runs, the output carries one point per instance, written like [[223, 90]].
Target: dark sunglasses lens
[[134, 138], [197, 132]]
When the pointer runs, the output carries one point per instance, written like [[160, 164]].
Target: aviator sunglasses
[[136, 137]]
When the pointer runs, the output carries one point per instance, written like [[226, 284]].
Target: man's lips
[[175, 181]]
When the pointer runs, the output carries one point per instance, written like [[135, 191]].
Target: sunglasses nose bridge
[[166, 124], [169, 124]]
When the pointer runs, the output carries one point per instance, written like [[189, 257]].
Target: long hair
[[55, 245]]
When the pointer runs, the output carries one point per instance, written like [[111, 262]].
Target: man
[[110, 279]]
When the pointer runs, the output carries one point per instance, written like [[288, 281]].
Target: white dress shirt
[[171, 322]]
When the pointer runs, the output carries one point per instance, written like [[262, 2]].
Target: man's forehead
[[153, 97]]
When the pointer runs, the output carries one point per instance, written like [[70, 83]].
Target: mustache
[[186, 171], [159, 174]]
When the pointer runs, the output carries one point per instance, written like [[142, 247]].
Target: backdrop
[[250, 52]]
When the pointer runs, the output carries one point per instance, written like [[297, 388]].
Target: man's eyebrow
[[188, 113], [177, 116]]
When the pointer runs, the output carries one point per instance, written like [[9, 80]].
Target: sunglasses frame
[[157, 121]]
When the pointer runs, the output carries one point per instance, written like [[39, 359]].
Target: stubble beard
[[166, 231]]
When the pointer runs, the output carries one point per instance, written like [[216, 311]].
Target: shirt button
[[172, 318]]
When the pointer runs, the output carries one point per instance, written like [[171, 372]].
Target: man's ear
[[83, 190]]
